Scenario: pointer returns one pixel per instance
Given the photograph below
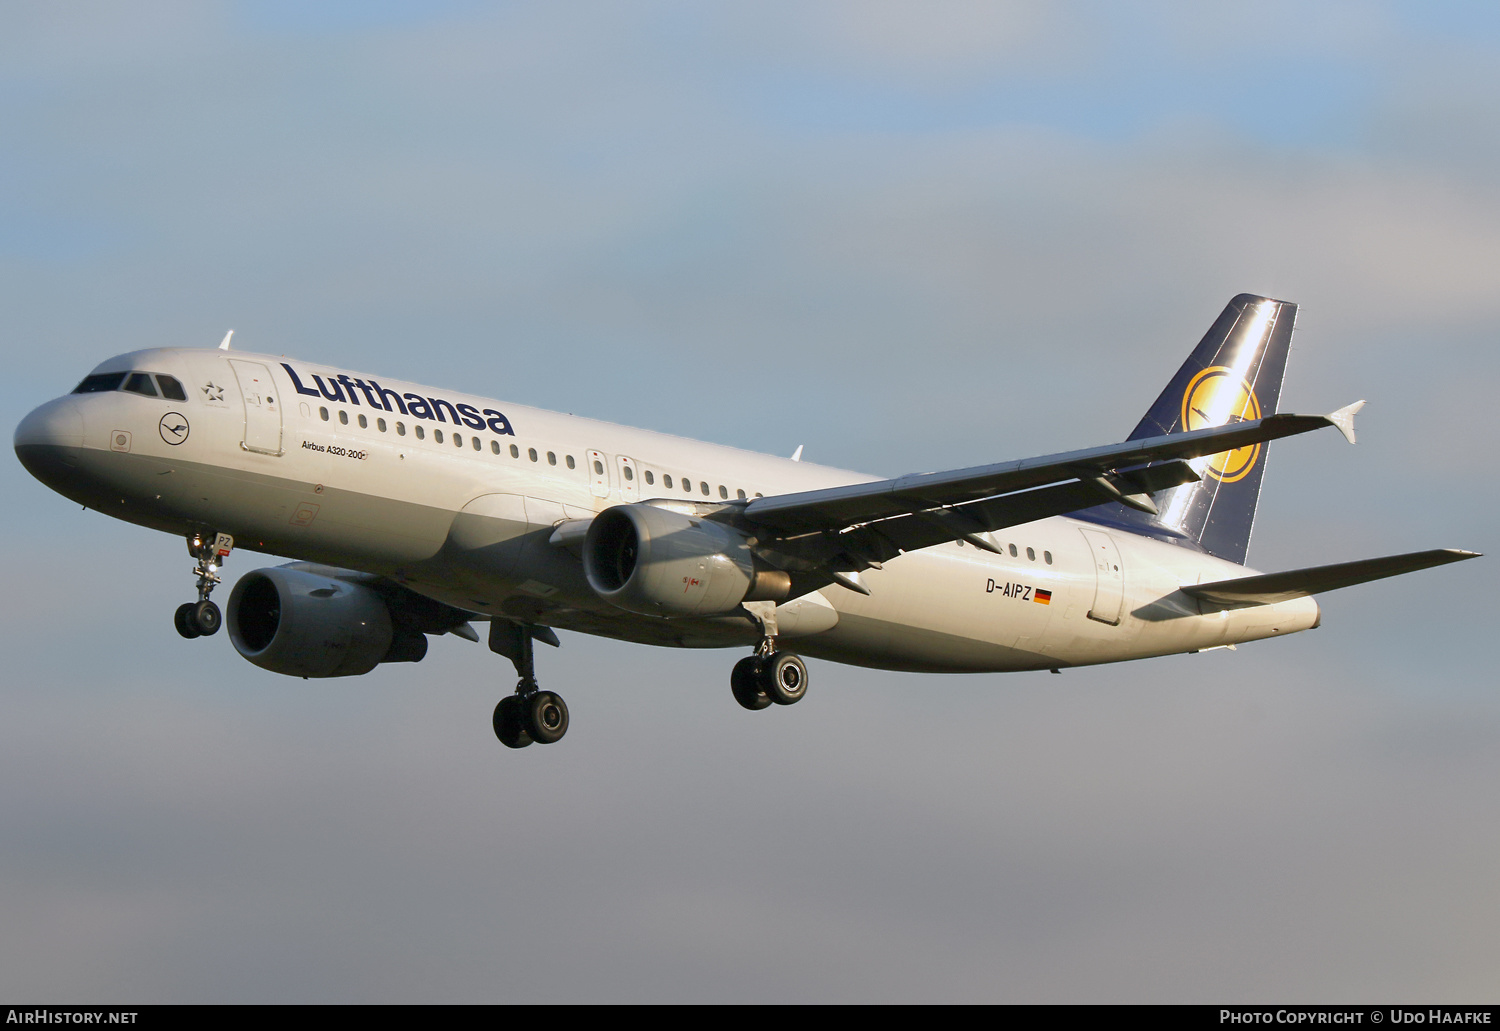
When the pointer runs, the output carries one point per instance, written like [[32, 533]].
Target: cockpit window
[[170, 388], [140, 383], [135, 382], [100, 382]]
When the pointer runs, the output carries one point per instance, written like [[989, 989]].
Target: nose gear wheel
[[203, 618]]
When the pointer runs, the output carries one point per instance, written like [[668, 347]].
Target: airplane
[[411, 511]]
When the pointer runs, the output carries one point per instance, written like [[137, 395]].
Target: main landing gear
[[758, 680], [202, 618], [530, 714], [767, 676]]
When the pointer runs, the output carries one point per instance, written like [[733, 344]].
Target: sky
[[906, 236]]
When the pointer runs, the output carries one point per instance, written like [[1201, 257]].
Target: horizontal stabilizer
[[1270, 588]]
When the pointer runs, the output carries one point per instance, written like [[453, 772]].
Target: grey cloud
[[1246, 835]]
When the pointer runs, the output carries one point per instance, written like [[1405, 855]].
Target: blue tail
[[1233, 374]]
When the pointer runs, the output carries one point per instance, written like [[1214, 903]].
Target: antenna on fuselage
[[224, 344], [797, 455]]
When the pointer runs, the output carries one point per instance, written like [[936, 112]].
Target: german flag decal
[[1043, 597]]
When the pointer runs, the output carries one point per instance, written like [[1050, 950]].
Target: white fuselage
[[456, 497]]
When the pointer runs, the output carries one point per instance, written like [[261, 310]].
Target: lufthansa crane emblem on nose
[[173, 427]]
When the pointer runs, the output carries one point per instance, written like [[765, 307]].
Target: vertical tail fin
[[1233, 374]]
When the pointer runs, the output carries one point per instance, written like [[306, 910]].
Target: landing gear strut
[[767, 676], [202, 618], [530, 714]]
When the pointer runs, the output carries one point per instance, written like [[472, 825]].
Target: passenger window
[[476, 443], [687, 485], [343, 417], [759, 494], [1031, 555], [572, 464], [723, 491], [666, 480], [551, 458], [741, 494], [598, 468], [100, 383], [364, 423], [704, 485], [170, 388], [531, 454], [437, 435], [400, 429], [650, 479], [1048, 556], [1013, 551], [629, 473], [380, 425], [421, 432], [324, 413], [495, 446], [140, 383], [458, 440]]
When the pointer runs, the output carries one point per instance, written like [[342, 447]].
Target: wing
[[1269, 588], [845, 529]]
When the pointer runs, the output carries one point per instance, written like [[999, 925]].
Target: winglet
[[1343, 419], [797, 455], [224, 344]]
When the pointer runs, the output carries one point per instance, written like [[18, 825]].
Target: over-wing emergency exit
[[411, 511]]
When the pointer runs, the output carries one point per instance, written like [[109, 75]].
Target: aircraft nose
[[48, 440], [58, 423]]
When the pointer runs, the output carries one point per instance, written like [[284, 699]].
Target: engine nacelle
[[660, 562], [306, 625]]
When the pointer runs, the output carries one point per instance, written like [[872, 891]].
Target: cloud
[[999, 838]]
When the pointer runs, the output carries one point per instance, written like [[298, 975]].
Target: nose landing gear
[[202, 618]]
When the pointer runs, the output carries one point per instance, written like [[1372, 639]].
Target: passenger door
[[1109, 589], [262, 412]]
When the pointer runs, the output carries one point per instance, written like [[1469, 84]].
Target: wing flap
[[1270, 588]]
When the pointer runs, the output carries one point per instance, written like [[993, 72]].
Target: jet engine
[[661, 562], [305, 625]]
